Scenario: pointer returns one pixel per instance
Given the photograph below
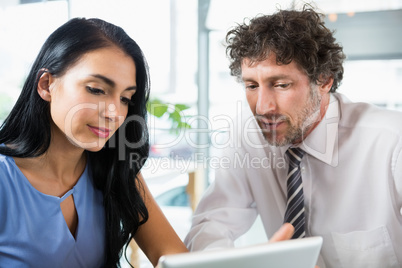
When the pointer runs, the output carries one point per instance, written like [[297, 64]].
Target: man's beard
[[295, 133]]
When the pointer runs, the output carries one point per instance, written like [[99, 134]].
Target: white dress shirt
[[352, 183]]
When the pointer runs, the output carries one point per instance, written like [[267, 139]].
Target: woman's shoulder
[[8, 169], [4, 162], [7, 163], [7, 172], [3, 158]]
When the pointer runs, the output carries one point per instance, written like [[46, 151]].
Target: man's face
[[286, 105]]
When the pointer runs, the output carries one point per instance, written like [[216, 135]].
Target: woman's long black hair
[[27, 133]]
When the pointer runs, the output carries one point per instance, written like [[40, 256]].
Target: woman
[[69, 197]]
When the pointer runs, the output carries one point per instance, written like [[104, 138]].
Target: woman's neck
[[58, 169]]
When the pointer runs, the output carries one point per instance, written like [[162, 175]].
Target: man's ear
[[44, 83], [325, 84]]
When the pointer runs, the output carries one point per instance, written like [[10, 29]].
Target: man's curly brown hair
[[298, 36]]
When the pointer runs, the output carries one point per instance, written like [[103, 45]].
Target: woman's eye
[[94, 90], [126, 101]]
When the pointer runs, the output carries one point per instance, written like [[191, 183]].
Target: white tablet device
[[300, 253]]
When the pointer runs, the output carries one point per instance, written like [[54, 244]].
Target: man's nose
[[266, 102]]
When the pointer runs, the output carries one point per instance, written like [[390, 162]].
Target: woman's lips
[[100, 131]]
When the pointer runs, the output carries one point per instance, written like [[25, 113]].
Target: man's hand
[[284, 233]]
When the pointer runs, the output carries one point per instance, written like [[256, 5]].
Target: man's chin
[[276, 141]]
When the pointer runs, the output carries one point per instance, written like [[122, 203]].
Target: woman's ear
[[45, 80]]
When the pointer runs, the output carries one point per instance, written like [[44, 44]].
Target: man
[[330, 167]]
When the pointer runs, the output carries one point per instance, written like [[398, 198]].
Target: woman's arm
[[156, 237]]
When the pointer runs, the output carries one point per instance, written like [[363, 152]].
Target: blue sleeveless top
[[33, 232]]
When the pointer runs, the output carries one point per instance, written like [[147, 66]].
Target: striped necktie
[[295, 206]]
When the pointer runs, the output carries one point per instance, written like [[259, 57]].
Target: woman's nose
[[110, 111]]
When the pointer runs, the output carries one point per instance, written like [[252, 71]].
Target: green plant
[[174, 113]]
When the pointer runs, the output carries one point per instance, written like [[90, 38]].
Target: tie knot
[[295, 155]]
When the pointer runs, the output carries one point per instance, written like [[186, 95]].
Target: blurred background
[[194, 95]]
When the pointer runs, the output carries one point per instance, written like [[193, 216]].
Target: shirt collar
[[322, 142]]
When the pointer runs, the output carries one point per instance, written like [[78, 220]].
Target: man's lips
[[100, 131], [271, 125]]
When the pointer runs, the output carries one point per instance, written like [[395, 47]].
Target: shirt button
[[304, 169], [401, 211]]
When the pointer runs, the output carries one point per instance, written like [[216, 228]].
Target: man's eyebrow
[[246, 79], [282, 76], [274, 77], [110, 82]]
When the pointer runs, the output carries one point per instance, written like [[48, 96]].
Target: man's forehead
[[253, 61], [248, 63]]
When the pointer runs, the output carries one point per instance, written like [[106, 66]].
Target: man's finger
[[284, 233]]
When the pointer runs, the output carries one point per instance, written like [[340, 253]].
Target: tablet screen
[[301, 253]]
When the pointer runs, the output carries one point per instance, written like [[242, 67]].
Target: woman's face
[[90, 101]]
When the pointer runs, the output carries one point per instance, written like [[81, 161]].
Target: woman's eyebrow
[[110, 82]]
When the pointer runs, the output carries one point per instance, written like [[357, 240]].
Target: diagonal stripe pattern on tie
[[295, 205]]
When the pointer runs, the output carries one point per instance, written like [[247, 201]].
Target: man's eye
[[251, 87], [95, 91], [283, 85]]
